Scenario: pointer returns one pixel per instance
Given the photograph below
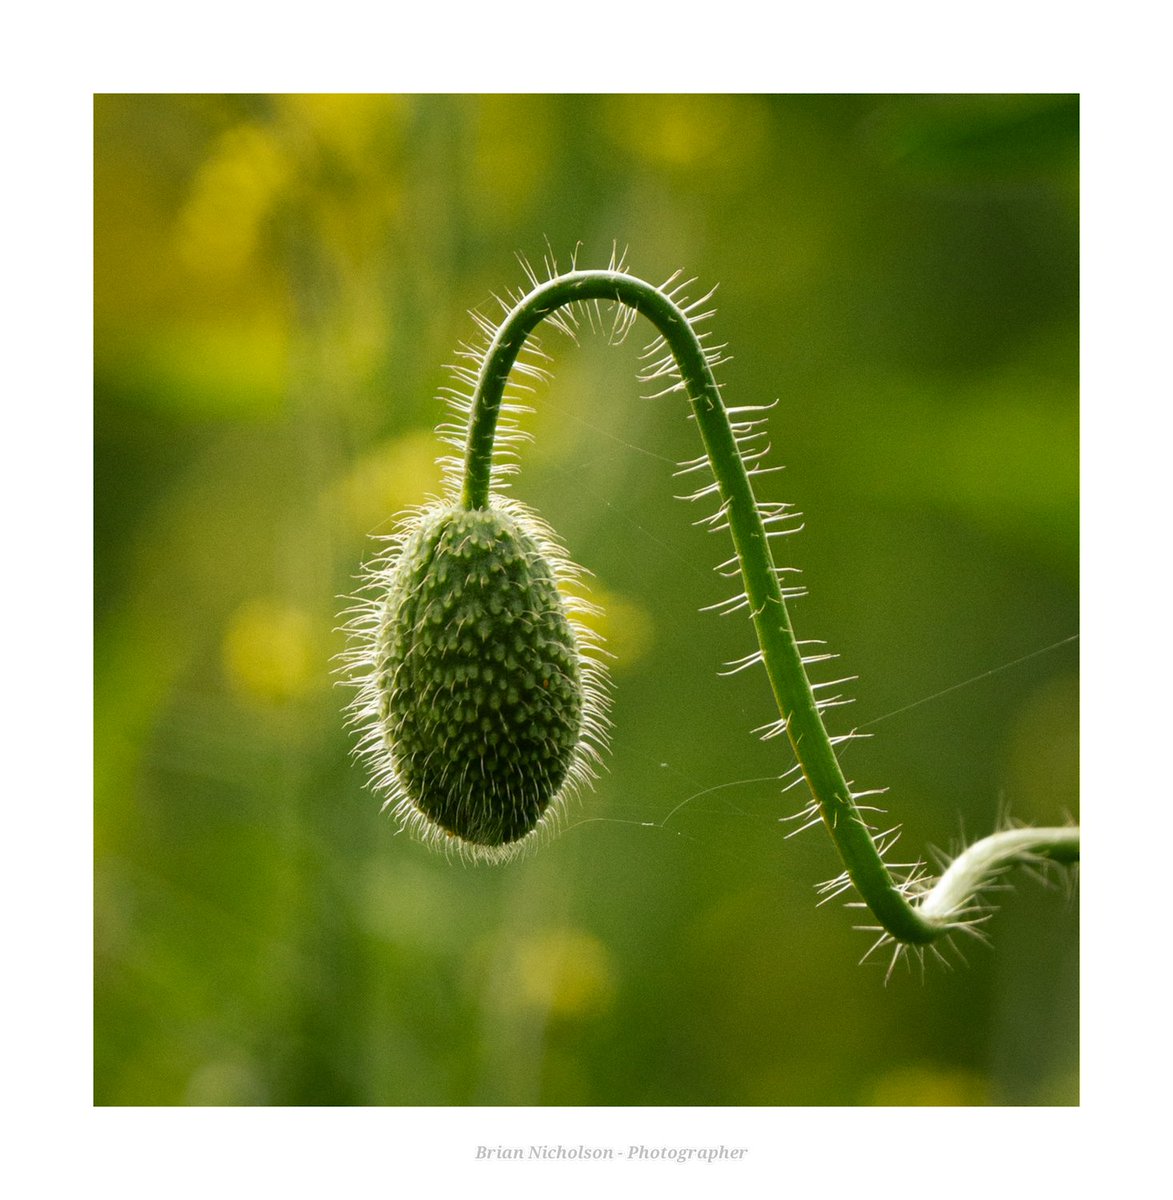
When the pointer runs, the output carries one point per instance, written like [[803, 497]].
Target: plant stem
[[945, 907]]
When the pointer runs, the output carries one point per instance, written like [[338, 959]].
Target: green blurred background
[[279, 283]]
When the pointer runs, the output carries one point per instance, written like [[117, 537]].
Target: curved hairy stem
[[907, 919]]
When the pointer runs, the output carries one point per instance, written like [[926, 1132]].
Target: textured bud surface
[[477, 677]]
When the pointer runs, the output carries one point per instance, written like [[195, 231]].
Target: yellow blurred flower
[[268, 652], [233, 191], [627, 628], [930, 1085], [566, 972], [394, 476]]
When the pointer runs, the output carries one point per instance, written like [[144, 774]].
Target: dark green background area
[[279, 284]]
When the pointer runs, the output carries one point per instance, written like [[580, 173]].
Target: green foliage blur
[[280, 281]]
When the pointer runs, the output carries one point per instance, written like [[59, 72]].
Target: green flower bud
[[480, 701]]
